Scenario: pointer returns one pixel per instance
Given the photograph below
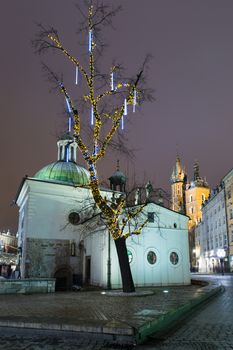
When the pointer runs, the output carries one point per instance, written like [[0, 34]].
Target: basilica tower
[[197, 192], [178, 183]]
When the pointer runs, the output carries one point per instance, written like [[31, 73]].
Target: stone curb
[[165, 322]]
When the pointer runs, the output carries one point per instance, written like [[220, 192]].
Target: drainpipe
[[109, 263]]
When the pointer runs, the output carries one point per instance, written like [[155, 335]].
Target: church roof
[[178, 173], [118, 175], [64, 172]]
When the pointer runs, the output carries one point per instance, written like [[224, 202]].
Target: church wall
[[163, 241], [47, 236], [45, 232], [96, 244]]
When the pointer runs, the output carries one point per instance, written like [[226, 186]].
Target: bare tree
[[108, 97]]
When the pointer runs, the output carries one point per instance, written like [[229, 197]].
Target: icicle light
[[112, 81], [125, 107], [76, 76], [122, 123], [92, 116], [90, 40], [134, 100], [68, 105], [69, 124]]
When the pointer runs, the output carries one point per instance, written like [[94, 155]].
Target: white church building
[[61, 233]]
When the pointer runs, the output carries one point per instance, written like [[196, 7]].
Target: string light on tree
[[112, 215]]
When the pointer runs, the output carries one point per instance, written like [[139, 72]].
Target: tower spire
[[196, 171], [178, 183]]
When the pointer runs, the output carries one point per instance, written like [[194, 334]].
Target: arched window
[[60, 152], [72, 153]]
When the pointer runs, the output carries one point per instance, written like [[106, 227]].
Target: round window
[[74, 218], [174, 258], [130, 255], [151, 257]]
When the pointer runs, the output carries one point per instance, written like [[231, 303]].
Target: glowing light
[[69, 124], [122, 123], [111, 214], [90, 40], [68, 105], [76, 75], [92, 115], [125, 107], [112, 81], [134, 100], [96, 148]]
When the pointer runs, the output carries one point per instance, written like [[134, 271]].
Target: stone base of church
[[27, 286]]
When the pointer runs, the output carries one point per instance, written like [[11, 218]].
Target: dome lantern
[[65, 170]]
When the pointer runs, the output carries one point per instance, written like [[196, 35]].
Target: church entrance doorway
[[88, 270], [63, 279]]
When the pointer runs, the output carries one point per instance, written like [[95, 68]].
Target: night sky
[[191, 72]]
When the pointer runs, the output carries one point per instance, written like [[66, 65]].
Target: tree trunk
[[126, 275]]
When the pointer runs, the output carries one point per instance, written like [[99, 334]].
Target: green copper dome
[[64, 172]]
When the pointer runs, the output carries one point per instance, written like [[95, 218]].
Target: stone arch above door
[[63, 275]]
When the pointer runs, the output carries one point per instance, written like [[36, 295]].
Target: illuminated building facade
[[212, 231], [228, 184], [189, 197], [196, 193], [61, 233]]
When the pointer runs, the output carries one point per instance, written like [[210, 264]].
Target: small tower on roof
[[178, 183], [118, 180], [67, 148]]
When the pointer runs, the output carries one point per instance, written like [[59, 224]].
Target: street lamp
[[221, 255]]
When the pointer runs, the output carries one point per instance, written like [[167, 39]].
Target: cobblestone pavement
[[90, 308], [20, 339], [210, 327]]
